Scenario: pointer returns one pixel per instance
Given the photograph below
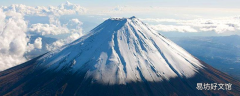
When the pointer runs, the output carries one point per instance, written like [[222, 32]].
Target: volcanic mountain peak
[[120, 57], [122, 18], [120, 51]]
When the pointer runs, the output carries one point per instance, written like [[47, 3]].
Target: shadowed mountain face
[[120, 57]]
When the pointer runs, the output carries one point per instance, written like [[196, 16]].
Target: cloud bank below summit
[[218, 25]]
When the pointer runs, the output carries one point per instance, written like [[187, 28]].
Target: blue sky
[[162, 3], [172, 8]]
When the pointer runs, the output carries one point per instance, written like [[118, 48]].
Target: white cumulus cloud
[[63, 9], [13, 40], [48, 29], [14, 30], [173, 28], [218, 25], [59, 43], [55, 27], [38, 43], [74, 27]]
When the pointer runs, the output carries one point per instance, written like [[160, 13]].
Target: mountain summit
[[121, 56]]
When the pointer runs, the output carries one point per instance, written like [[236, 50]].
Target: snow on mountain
[[122, 50]]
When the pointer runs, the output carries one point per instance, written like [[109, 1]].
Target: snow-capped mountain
[[121, 56], [120, 50]]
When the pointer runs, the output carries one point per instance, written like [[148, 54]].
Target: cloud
[[55, 27], [160, 20], [59, 43], [63, 9], [38, 43], [74, 27], [218, 25], [173, 28], [14, 30], [48, 29], [13, 39]]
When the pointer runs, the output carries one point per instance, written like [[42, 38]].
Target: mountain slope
[[121, 56], [221, 52]]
